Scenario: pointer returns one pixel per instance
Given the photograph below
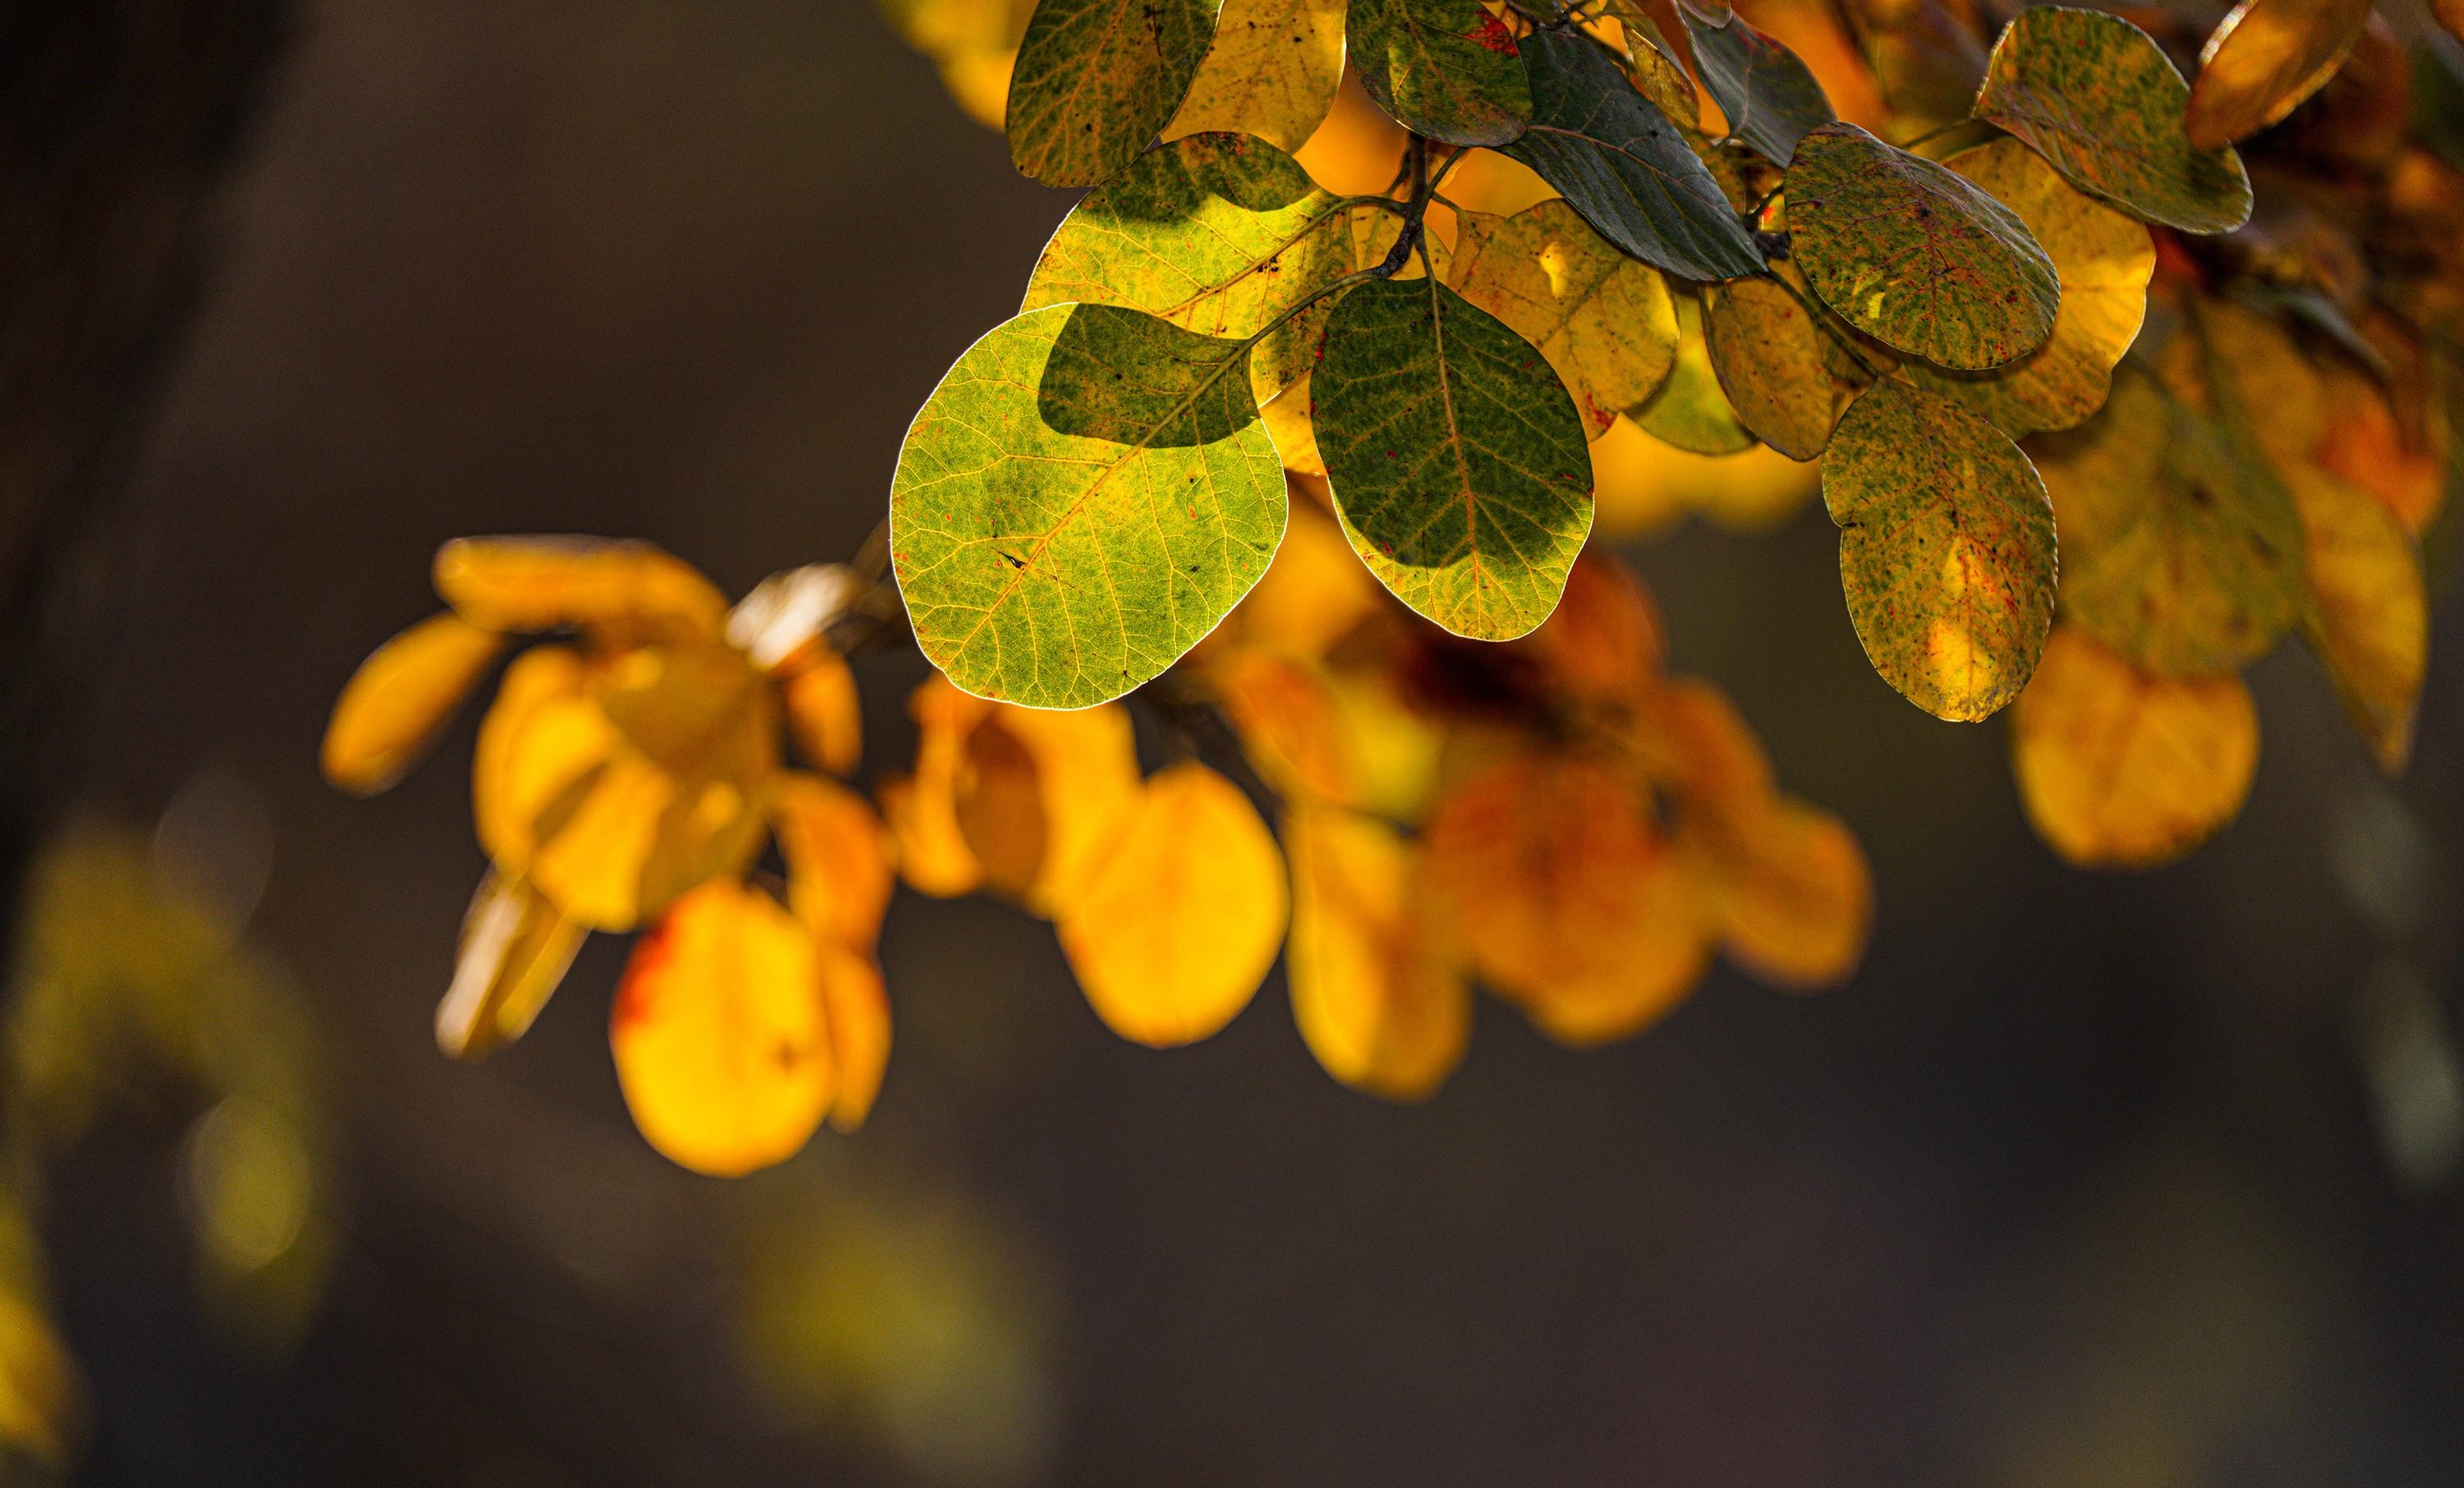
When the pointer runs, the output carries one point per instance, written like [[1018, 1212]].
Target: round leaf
[[1604, 322], [401, 698], [1447, 69], [1376, 998], [1097, 79], [1272, 71]]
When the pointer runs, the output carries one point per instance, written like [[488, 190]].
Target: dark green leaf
[[1443, 68], [1769, 98], [1097, 80]]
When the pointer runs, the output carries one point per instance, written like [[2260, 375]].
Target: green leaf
[[1690, 411], [1604, 322], [1272, 72], [1447, 69], [1097, 80], [1914, 255], [1456, 461], [1084, 497], [1771, 98], [1624, 166], [1217, 233], [2094, 95], [1945, 549]]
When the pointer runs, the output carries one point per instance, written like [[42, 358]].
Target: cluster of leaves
[[1295, 446]]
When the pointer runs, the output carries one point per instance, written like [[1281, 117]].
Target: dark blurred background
[[2084, 1180]]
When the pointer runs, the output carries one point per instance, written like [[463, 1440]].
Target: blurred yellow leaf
[[42, 1399], [1604, 641], [1689, 410], [921, 808], [2368, 617], [2120, 768], [1172, 932], [629, 591], [1711, 754], [855, 1007], [1087, 779], [823, 712], [999, 806], [1284, 709], [719, 1033], [1272, 71], [1793, 893], [516, 949], [401, 698], [2263, 59], [1314, 591], [2366, 443], [838, 858], [1378, 998]]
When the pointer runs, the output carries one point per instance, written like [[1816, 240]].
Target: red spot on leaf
[[1494, 34]]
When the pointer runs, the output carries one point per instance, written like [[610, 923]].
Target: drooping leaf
[[1217, 233], [1060, 569], [1085, 772], [1783, 374], [1945, 549], [1456, 457], [721, 1044], [824, 713], [1768, 96], [837, 853], [401, 699], [1914, 255], [1447, 69], [1097, 79], [1605, 322], [1568, 899], [1172, 932], [621, 591], [1272, 71], [920, 809], [2103, 260], [1624, 166], [2177, 552], [2099, 99], [1793, 891], [1377, 999], [2263, 59], [2367, 618], [1690, 411], [516, 949], [2120, 768]]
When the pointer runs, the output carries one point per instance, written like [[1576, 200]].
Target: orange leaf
[[629, 590], [1171, 935], [719, 1033], [1380, 1003], [838, 858], [2263, 59], [516, 949], [1794, 895], [401, 698], [823, 712], [857, 1009], [921, 809], [1603, 640]]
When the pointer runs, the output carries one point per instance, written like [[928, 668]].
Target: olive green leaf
[[2104, 259], [1690, 411], [1456, 459], [1945, 549], [1604, 322], [2264, 57], [1084, 497], [1624, 166], [1786, 374], [1660, 65], [2094, 95], [1217, 233], [2180, 551], [1447, 69], [1272, 72], [1926, 55], [1768, 96], [1912, 254], [1097, 79]]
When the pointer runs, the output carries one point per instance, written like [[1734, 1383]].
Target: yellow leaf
[[401, 698], [999, 806], [921, 809], [1689, 410], [516, 949], [1290, 422], [1171, 935], [838, 858], [2263, 59], [1356, 151], [1086, 777], [1284, 709], [1793, 893], [1603, 643], [2120, 768], [630, 591], [1604, 322], [43, 1405], [2367, 442], [1381, 1003], [1272, 71], [824, 713], [1566, 896], [1775, 362], [1315, 592], [856, 1009], [720, 1038], [2368, 617]]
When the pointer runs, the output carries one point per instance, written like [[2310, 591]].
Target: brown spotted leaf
[[1782, 372]]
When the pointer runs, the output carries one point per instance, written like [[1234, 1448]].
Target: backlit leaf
[[1060, 569], [721, 1043], [1624, 166], [1447, 69], [1780, 370], [401, 698], [1913, 255], [2103, 260], [1456, 457], [1605, 322], [823, 713], [1660, 65], [1194, 867], [1272, 72], [1097, 79], [1568, 899], [1086, 779], [1769, 98], [837, 853], [921, 808], [1945, 549], [855, 1009], [2120, 768], [2097, 98], [2367, 616], [2263, 59], [1376, 997], [1793, 893], [1690, 411], [623, 591], [516, 949]]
